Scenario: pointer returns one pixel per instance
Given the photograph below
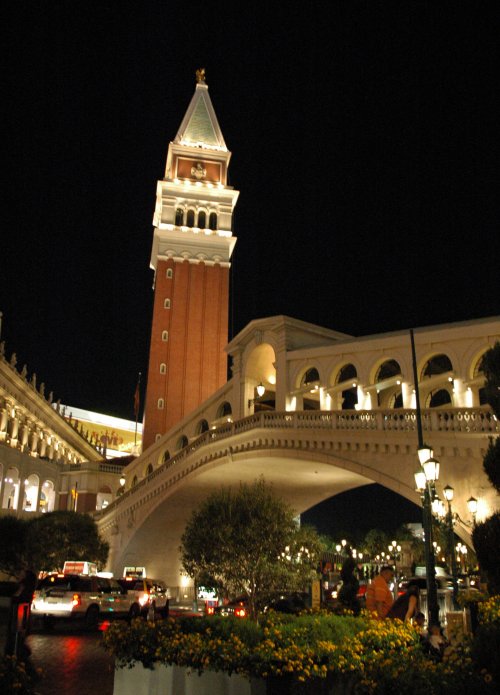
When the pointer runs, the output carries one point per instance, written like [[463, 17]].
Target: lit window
[[166, 304], [170, 273], [161, 403], [163, 368], [164, 336]]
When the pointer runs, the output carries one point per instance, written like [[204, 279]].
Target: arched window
[[224, 410], [310, 376], [149, 469], [439, 364], [201, 427], [202, 219], [163, 368], [164, 336], [166, 456], [349, 395], [387, 370], [170, 273], [190, 218], [166, 304], [179, 217], [212, 221], [161, 403], [157, 437], [439, 398], [182, 442], [134, 481]]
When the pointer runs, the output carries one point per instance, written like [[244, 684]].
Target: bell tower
[[192, 247]]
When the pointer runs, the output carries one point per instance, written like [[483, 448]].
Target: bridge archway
[[260, 373], [302, 478]]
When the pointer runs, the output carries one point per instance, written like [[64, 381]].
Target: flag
[[137, 397]]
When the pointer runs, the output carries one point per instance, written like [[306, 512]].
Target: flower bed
[[309, 652]]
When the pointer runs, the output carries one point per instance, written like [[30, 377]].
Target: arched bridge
[[308, 456]]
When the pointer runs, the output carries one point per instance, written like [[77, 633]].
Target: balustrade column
[[4, 419], [33, 443], [23, 435]]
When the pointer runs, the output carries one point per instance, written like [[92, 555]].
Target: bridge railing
[[465, 420]]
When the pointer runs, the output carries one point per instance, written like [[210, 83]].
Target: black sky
[[365, 146]]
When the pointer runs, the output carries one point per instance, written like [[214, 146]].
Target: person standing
[[348, 594], [379, 597]]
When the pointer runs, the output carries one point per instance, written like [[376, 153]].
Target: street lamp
[[448, 493], [425, 484], [260, 389], [472, 507]]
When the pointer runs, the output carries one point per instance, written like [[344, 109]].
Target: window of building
[[161, 403], [179, 217], [166, 304], [149, 469], [163, 368], [202, 219], [164, 336], [212, 221], [157, 437], [190, 218], [170, 273]]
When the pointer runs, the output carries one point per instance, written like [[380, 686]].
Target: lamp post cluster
[[425, 479]]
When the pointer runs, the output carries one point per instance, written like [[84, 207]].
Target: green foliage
[[45, 542], [491, 463], [13, 556], [491, 367], [14, 678], [311, 653], [376, 541], [247, 541], [486, 539], [59, 536]]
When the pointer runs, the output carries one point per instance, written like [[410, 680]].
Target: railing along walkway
[[464, 420]]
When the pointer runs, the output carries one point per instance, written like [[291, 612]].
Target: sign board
[[80, 567], [134, 572], [316, 594]]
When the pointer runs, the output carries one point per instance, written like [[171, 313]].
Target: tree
[[490, 365], [247, 542], [376, 541], [486, 539], [13, 545], [491, 463], [58, 536], [486, 535]]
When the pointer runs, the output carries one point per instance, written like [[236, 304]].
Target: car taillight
[[240, 612], [77, 600], [210, 610]]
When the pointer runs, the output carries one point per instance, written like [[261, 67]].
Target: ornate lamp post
[[448, 493], [429, 469]]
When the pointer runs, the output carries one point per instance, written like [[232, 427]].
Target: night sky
[[365, 146]]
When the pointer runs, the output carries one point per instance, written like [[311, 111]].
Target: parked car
[[79, 597], [443, 583], [292, 602], [146, 594]]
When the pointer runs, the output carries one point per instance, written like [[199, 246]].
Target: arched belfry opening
[[260, 380]]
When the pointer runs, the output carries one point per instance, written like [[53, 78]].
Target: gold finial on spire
[[200, 75]]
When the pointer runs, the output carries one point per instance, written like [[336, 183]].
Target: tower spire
[[192, 247]]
